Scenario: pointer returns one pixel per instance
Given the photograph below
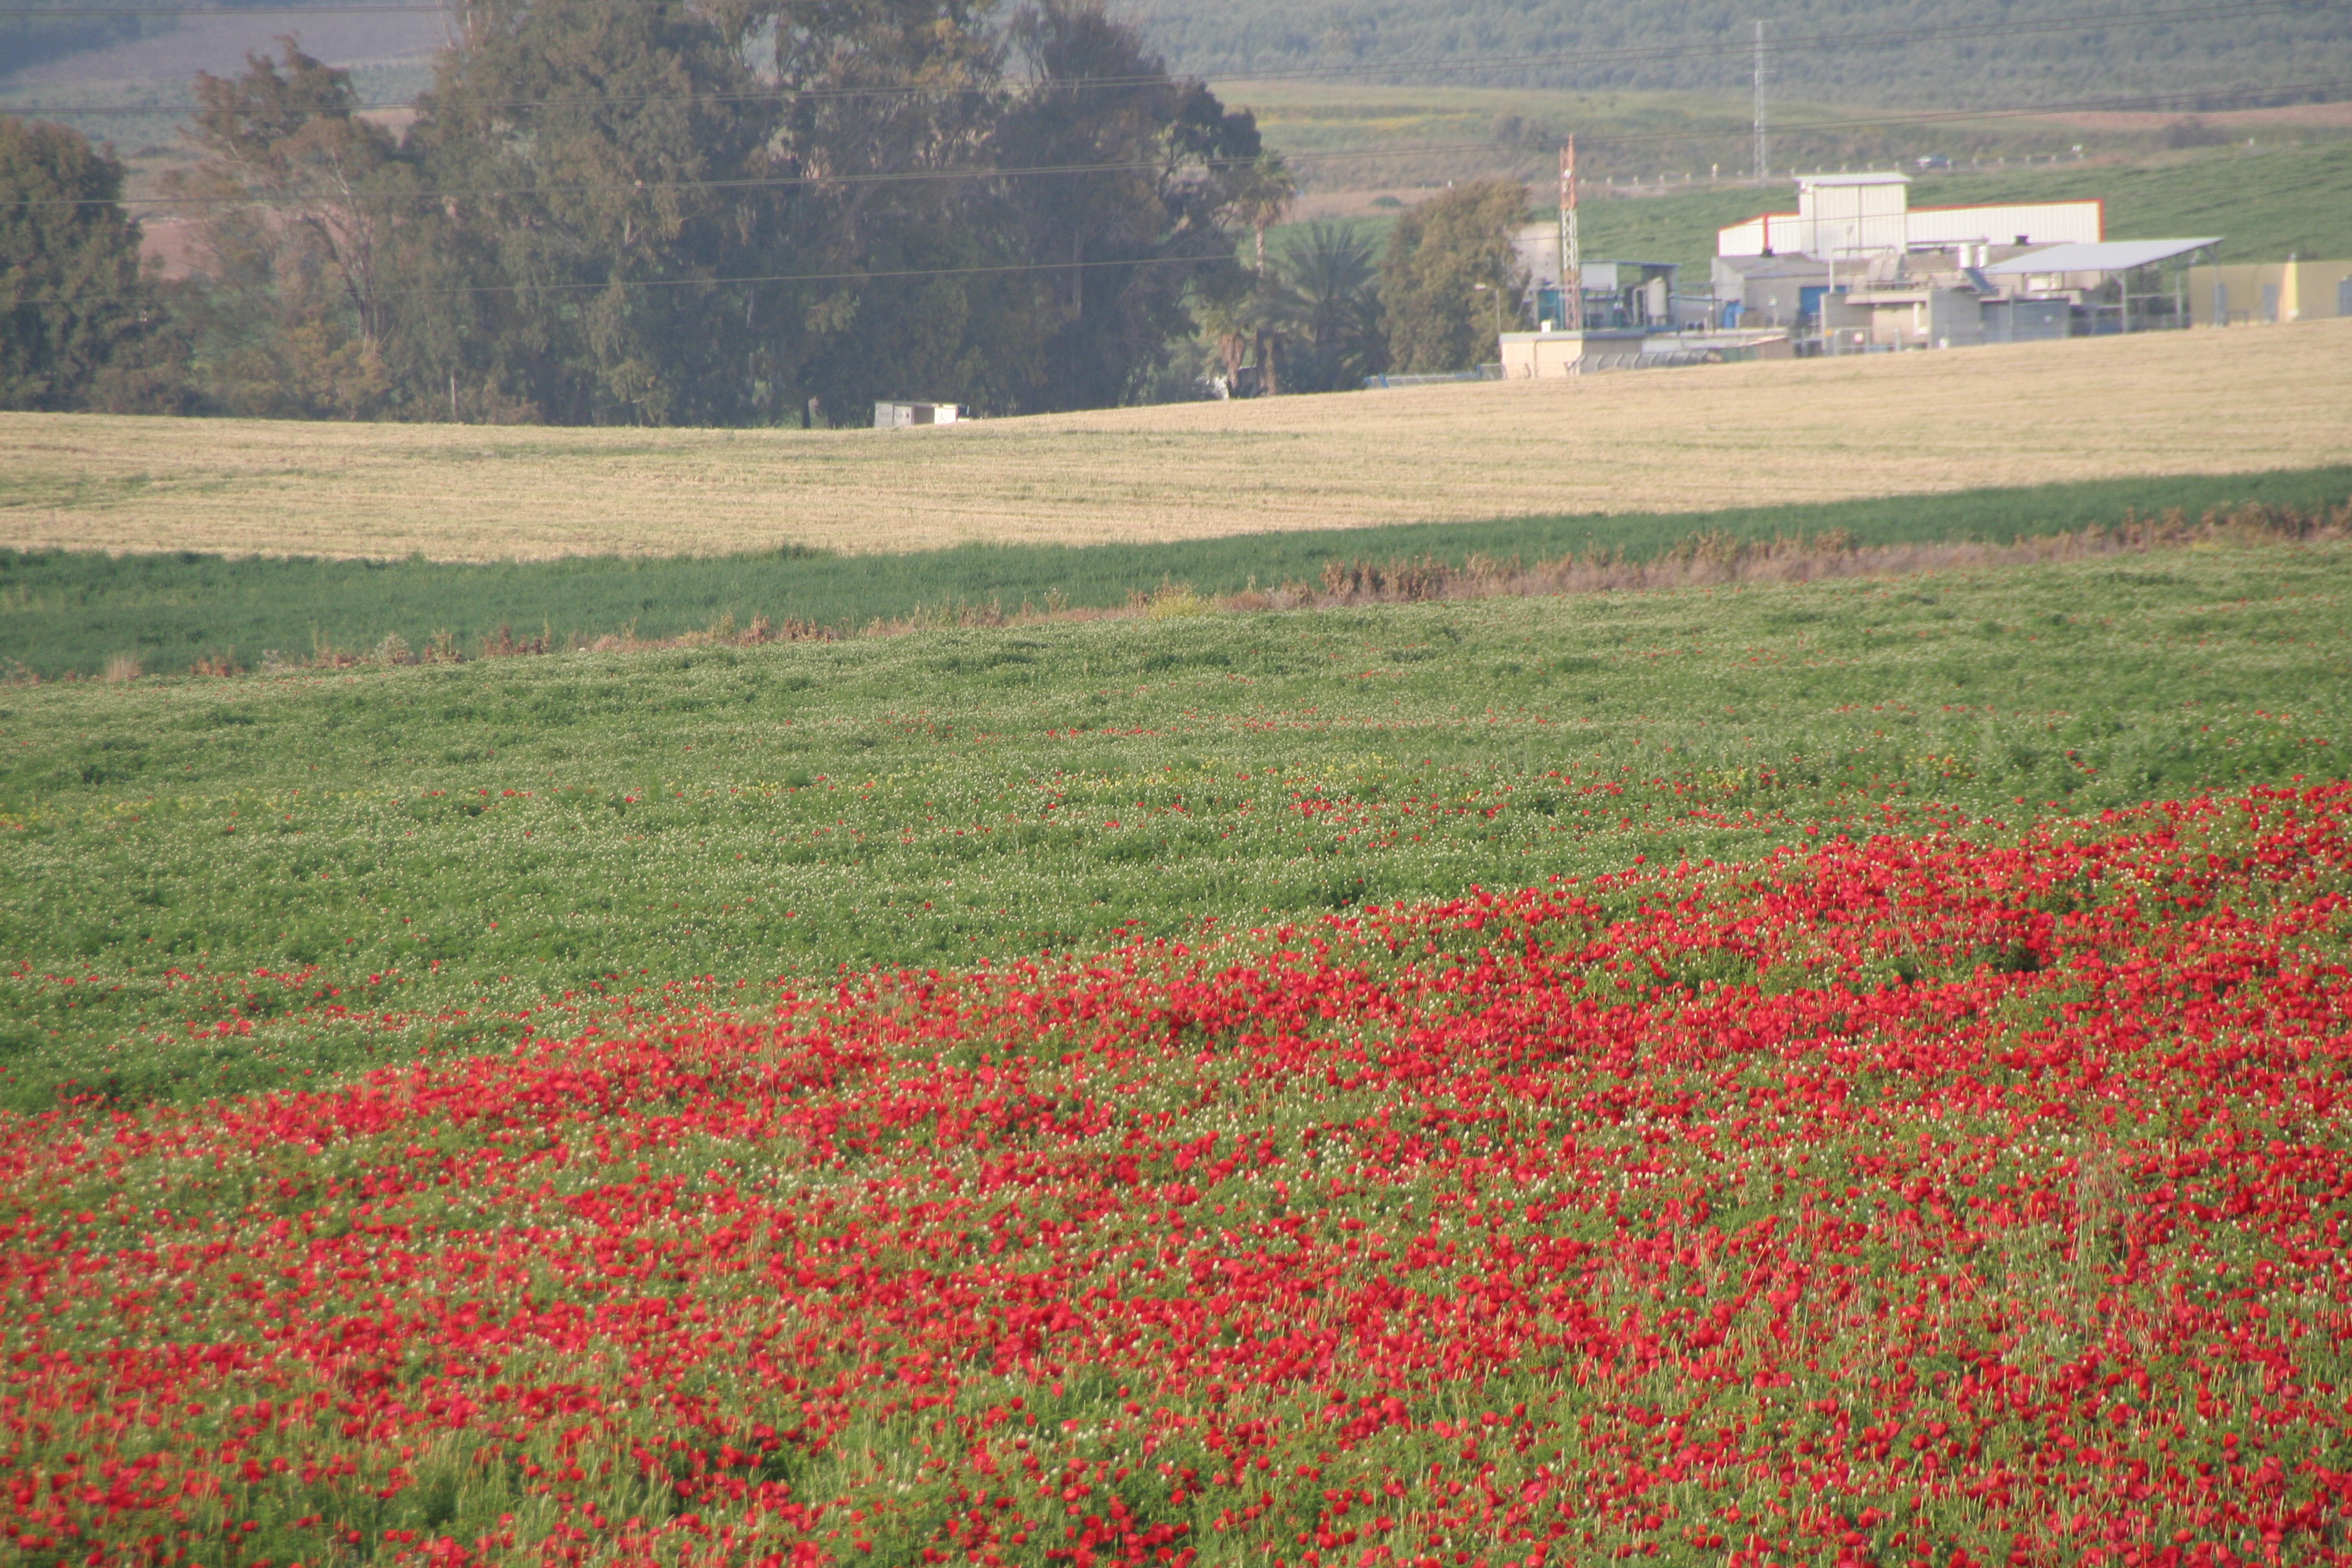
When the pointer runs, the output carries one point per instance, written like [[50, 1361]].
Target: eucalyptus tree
[[71, 294], [598, 164], [1167, 170], [663, 210], [1448, 259], [295, 200], [903, 281]]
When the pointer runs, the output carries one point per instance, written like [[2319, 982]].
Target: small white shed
[[900, 416]]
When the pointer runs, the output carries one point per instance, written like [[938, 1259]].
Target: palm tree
[[1252, 318], [1263, 193], [1310, 321], [1330, 307]]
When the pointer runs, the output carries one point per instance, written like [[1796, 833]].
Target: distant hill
[[35, 39], [1700, 45], [1885, 52], [48, 49], [38, 32]]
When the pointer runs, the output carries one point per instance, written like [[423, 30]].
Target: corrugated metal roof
[[2107, 256]]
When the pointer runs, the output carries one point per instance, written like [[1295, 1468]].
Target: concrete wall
[[1912, 319], [1529, 356], [1772, 295], [2026, 321], [1539, 356]]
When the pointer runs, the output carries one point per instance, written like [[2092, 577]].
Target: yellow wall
[[2306, 291]]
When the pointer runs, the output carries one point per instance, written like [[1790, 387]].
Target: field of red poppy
[[1804, 1146], [1908, 1198]]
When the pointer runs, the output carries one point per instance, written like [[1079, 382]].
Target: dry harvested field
[[2324, 117], [2230, 401]]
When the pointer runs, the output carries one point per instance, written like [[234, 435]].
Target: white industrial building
[[1854, 269], [1840, 216], [1857, 268]]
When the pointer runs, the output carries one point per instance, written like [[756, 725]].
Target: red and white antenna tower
[[1572, 254]]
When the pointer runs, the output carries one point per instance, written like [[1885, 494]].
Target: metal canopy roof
[[2106, 255]]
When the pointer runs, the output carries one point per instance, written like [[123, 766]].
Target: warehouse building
[[2116, 286], [1843, 216], [1770, 291], [1900, 276], [1856, 268], [2268, 292]]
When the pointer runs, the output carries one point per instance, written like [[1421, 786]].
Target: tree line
[[738, 211]]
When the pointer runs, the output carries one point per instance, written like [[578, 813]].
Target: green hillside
[[33, 32], [1903, 51], [1348, 136]]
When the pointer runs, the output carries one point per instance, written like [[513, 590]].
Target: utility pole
[[1763, 156], [1571, 251], [1829, 340]]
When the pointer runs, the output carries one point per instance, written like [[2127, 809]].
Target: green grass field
[[460, 848], [70, 613]]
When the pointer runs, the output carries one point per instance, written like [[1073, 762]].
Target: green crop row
[[216, 884], [64, 612]]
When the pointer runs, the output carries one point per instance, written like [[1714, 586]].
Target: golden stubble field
[[2205, 402]]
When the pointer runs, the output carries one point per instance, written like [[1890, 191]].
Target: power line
[[923, 176], [81, 13], [1012, 268], [1815, 44], [870, 277]]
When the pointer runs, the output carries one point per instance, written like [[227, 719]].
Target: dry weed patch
[[1699, 560]]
